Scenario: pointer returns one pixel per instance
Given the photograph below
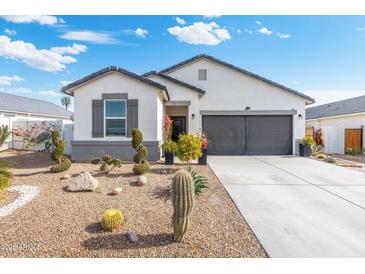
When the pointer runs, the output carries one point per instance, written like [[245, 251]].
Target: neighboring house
[[241, 113], [18, 108], [341, 123]]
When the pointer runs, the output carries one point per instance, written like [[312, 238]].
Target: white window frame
[[116, 118]]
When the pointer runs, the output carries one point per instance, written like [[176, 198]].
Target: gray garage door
[[249, 135]]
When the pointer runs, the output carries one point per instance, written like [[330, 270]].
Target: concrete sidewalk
[[297, 207]]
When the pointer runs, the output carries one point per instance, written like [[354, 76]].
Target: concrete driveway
[[297, 207]]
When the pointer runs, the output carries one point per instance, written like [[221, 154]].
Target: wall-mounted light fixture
[[248, 108], [300, 116], [193, 116]]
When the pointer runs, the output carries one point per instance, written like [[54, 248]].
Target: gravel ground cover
[[57, 223]]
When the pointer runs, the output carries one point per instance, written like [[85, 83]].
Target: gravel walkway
[[57, 223]]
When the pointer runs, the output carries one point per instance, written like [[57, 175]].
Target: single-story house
[[242, 113], [341, 123], [15, 108]]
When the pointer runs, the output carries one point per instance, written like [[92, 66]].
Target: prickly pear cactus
[[183, 199]]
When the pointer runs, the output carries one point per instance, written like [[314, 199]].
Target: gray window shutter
[[132, 116], [98, 118]]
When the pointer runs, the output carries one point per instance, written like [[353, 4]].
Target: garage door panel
[[226, 134], [269, 135]]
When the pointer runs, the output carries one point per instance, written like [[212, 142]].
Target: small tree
[[107, 163], [66, 101], [141, 164], [63, 163], [189, 147]]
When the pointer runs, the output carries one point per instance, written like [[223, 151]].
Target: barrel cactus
[[112, 219], [183, 199]]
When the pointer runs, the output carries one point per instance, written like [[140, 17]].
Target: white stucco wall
[[227, 89], [149, 105], [181, 93], [333, 130]]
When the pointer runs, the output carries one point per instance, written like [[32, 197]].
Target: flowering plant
[[204, 140], [167, 128], [318, 137]]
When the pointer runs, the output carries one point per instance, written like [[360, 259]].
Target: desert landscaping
[[59, 223]]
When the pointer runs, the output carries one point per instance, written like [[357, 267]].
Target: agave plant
[[200, 181]]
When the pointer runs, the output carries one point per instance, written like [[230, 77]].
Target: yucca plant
[[200, 181]]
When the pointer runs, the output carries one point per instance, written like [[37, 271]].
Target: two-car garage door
[[249, 134]]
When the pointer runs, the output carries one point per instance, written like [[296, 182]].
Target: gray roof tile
[[343, 107], [22, 104]]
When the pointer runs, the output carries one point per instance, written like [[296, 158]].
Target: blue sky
[[322, 56]]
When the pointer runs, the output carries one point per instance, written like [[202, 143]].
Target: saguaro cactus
[[183, 199]]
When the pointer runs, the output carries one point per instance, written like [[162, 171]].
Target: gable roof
[[20, 104], [213, 59], [343, 107], [116, 69], [176, 81]]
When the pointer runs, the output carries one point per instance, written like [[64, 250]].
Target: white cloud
[[180, 21], [328, 96], [89, 36], [212, 16], [40, 19], [42, 59], [361, 28], [248, 31], [265, 30], [18, 90], [21, 90], [239, 31], [49, 93], [200, 33], [258, 23], [74, 49], [65, 83], [141, 32], [283, 36], [295, 82], [9, 32], [7, 80]]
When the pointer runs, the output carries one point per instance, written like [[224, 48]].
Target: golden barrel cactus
[[112, 219], [183, 200]]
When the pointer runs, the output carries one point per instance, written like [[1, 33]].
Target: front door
[[178, 127]]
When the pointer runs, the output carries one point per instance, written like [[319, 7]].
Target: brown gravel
[[63, 224]]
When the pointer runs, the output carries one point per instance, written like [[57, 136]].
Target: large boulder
[[84, 182]]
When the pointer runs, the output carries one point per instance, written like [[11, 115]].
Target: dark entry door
[[178, 127]]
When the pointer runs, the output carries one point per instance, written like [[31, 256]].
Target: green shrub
[[308, 141], [59, 150], [64, 165], [354, 151], [5, 171], [4, 134], [107, 163], [169, 146], [4, 184], [141, 164], [200, 181], [141, 168], [189, 147]]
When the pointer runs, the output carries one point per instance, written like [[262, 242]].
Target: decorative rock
[[163, 172], [117, 190], [132, 237], [142, 180], [66, 176], [84, 182]]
